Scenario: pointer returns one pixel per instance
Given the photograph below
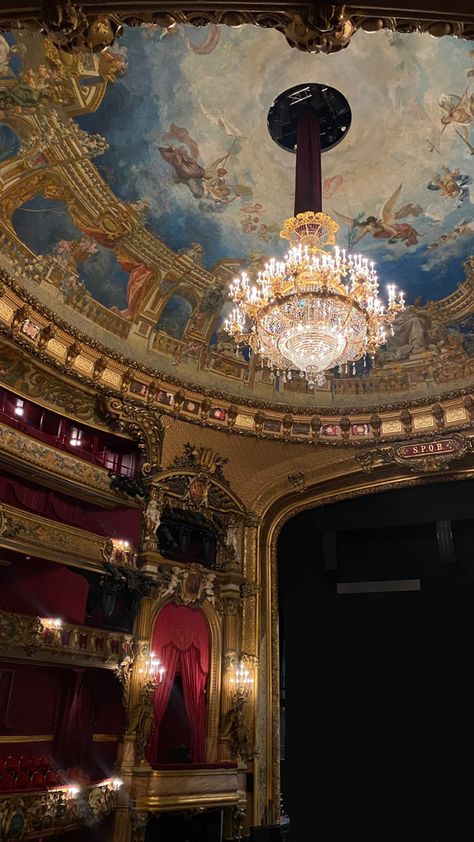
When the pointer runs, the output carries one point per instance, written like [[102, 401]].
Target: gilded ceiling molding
[[349, 486], [142, 395], [320, 27]]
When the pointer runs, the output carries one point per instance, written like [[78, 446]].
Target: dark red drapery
[[181, 639], [308, 196], [75, 725]]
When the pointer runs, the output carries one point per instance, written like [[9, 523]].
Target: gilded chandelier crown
[[316, 309]]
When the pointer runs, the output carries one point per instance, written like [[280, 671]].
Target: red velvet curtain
[[181, 638], [169, 657], [75, 725], [118, 523], [308, 195], [194, 689]]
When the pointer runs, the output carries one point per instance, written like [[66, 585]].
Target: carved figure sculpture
[[142, 721], [236, 730], [173, 583]]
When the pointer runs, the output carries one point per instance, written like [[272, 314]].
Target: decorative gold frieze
[[169, 396], [28, 452], [455, 416], [31, 533], [87, 26], [46, 639], [425, 455], [28, 815], [423, 422]]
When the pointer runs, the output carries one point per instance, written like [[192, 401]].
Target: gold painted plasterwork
[[56, 466], [49, 539]]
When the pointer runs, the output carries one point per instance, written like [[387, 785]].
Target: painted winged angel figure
[[385, 225]]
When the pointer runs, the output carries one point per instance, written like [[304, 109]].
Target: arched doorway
[[375, 647], [181, 640]]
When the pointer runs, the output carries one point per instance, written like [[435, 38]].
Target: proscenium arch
[[214, 680], [273, 519]]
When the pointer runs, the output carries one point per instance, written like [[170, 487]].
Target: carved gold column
[[133, 684], [230, 608]]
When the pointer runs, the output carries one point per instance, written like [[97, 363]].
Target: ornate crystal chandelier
[[318, 308]]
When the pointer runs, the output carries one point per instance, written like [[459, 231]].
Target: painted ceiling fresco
[[167, 132]]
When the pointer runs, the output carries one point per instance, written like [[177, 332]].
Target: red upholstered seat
[[51, 778], [12, 764], [36, 762], [22, 780], [7, 781], [24, 763], [37, 780], [46, 762]]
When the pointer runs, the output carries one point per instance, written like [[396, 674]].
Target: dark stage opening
[[376, 628]]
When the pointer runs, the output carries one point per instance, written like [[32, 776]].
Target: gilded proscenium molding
[[44, 640], [27, 815], [38, 536], [272, 519], [57, 469], [312, 28], [242, 417], [429, 455]]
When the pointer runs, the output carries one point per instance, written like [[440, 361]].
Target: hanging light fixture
[[319, 307]]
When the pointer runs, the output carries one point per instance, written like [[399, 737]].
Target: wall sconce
[[152, 670], [76, 436], [242, 682], [119, 551], [19, 407], [51, 622]]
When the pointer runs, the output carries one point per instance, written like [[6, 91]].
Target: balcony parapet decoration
[[187, 789], [28, 815], [60, 469], [35, 535], [53, 640]]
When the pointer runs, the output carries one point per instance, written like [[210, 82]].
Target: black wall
[[379, 740]]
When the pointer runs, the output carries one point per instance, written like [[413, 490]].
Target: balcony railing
[[188, 788], [29, 815], [55, 541], [50, 639]]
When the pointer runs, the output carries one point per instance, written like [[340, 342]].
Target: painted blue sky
[[186, 128]]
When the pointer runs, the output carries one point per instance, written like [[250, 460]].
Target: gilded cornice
[[317, 27], [39, 536], [55, 468], [110, 374]]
